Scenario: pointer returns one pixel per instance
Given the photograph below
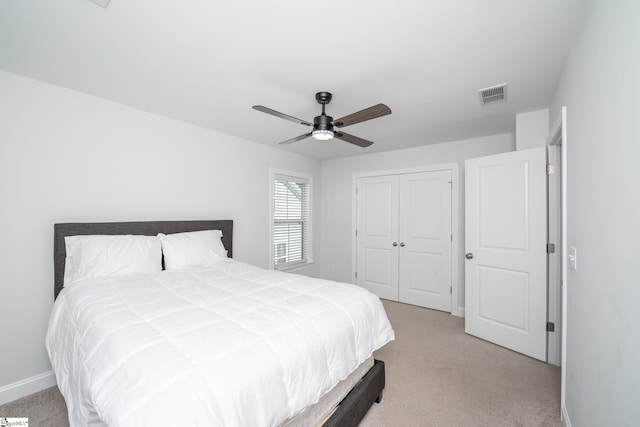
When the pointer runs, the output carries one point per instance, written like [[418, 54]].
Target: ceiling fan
[[323, 125]]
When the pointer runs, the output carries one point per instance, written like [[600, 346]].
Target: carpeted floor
[[439, 376], [436, 376], [44, 409]]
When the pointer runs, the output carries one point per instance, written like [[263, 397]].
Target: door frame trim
[[558, 137], [456, 309]]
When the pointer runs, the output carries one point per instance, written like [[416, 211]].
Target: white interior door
[[377, 231], [425, 239], [506, 228]]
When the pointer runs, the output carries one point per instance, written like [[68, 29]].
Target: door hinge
[[450, 289], [551, 327], [551, 169], [551, 248], [356, 274], [356, 190], [356, 231]]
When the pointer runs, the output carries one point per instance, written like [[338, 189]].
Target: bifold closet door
[[377, 233], [425, 239]]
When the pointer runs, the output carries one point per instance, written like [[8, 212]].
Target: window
[[291, 225], [280, 253]]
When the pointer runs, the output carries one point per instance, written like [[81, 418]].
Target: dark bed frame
[[352, 408]]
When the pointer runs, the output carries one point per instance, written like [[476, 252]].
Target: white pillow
[[102, 255], [202, 248]]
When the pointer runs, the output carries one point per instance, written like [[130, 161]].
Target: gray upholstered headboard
[[147, 228]]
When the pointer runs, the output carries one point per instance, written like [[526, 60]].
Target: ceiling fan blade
[[352, 139], [374, 112], [281, 115], [296, 139]]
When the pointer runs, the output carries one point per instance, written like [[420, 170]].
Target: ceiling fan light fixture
[[322, 134], [323, 124]]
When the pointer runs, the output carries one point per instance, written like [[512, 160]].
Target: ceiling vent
[[493, 94]]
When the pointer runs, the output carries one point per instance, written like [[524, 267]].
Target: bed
[[219, 344]]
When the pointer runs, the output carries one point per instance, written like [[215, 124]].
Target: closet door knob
[[469, 255], [395, 243], [402, 244]]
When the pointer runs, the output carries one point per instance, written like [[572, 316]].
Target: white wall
[[601, 87], [337, 194], [532, 129], [66, 156]]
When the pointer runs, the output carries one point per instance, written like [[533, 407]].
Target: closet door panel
[[425, 239], [377, 231]]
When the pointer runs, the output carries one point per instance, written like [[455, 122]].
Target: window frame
[[307, 242]]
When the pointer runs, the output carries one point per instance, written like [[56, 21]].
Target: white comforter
[[231, 345]]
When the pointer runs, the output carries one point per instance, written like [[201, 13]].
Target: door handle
[[402, 244], [395, 243], [468, 255]]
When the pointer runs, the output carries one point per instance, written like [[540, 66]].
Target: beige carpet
[[44, 409], [439, 376], [436, 376]]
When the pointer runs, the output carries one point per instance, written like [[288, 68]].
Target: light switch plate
[[573, 258]]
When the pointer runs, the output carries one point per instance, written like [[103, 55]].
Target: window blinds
[[290, 220]]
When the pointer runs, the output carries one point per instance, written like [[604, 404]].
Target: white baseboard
[[11, 392], [460, 312], [565, 417]]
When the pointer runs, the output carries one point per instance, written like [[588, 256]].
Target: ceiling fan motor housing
[[323, 122]]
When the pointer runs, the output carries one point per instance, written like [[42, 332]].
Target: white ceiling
[[207, 62]]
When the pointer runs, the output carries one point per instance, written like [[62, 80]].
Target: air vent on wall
[[493, 93]]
